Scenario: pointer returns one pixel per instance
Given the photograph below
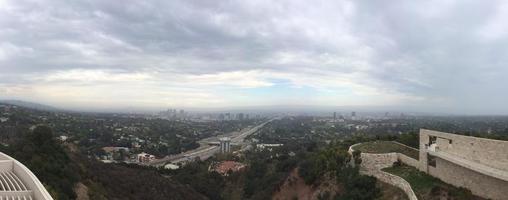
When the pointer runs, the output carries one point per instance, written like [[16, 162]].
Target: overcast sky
[[433, 55]]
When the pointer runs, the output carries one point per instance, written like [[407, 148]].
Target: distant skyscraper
[[334, 116], [353, 115], [240, 116], [182, 115], [168, 114]]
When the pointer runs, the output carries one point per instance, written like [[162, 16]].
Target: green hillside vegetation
[[122, 181], [60, 169], [427, 187], [386, 147], [390, 192], [265, 171], [335, 160], [47, 159]]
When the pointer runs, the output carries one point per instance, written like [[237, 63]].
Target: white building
[[269, 147], [144, 157], [171, 166], [225, 145]]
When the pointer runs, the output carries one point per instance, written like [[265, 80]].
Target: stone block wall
[[492, 153], [485, 152], [479, 184], [408, 160], [395, 181], [373, 163], [378, 161]]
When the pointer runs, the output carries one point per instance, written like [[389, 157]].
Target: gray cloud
[[446, 53]]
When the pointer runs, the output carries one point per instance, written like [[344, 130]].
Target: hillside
[[63, 171], [294, 187], [27, 104], [123, 182]]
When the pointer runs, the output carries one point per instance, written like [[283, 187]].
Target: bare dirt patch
[[81, 191], [294, 187]]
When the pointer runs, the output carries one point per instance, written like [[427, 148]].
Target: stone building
[[478, 164]]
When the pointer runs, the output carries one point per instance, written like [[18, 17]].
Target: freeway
[[205, 151]]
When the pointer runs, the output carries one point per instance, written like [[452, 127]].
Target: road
[[205, 151]]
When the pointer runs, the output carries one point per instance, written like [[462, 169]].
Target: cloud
[[8, 50], [93, 76], [451, 53], [243, 79]]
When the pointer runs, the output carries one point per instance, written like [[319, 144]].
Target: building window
[[432, 140]]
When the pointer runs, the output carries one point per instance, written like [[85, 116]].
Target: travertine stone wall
[[408, 160], [484, 152], [378, 161], [493, 153], [373, 163], [479, 184], [393, 180], [423, 166]]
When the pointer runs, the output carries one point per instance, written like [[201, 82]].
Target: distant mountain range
[[31, 105]]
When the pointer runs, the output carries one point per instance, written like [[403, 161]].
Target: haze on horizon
[[446, 56]]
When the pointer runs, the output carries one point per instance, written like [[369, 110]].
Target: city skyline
[[437, 56]]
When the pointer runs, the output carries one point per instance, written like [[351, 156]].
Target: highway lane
[[205, 151]]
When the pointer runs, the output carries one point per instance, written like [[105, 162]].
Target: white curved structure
[[17, 182]]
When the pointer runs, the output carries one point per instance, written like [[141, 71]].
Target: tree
[[308, 170], [47, 159], [357, 157], [360, 188]]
